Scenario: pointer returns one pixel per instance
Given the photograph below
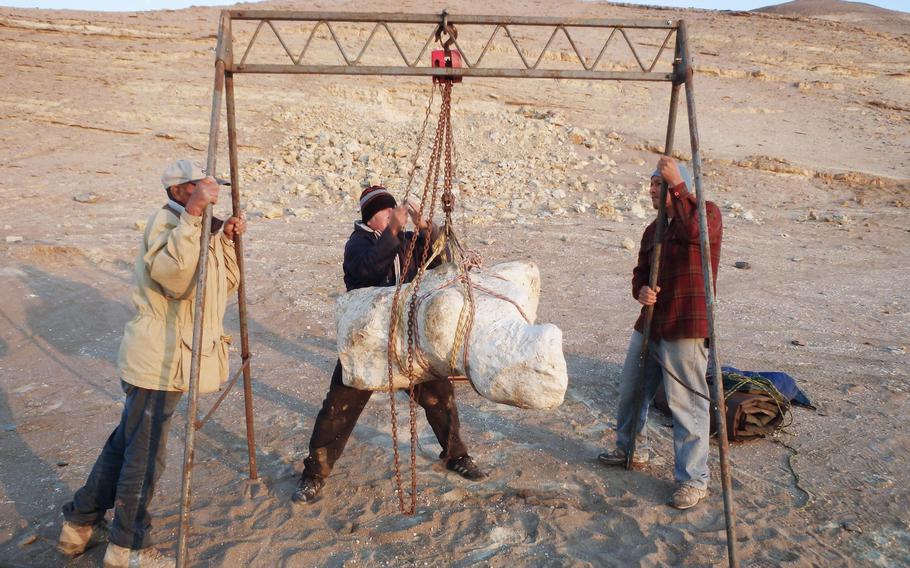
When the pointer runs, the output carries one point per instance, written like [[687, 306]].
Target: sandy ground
[[804, 131]]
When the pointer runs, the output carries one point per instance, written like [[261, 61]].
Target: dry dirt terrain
[[804, 128]]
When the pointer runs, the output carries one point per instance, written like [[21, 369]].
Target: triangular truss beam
[[579, 67]]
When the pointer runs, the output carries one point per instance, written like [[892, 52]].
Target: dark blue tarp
[[783, 382]]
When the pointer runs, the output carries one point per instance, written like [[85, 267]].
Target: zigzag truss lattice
[[618, 33]]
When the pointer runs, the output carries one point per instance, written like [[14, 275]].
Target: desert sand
[[804, 127]]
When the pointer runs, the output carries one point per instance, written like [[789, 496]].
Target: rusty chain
[[420, 139], [442, 140], [442, 156]]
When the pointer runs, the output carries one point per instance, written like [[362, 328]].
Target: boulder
[[511, 360]]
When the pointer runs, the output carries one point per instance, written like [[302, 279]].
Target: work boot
[[687, 496], [618, 457], [121, 557], [308, 489], [76, 539], [465, 467]]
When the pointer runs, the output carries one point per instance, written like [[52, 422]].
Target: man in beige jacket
[[154, 367]]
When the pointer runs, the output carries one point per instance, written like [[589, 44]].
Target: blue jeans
[[125, 474], [688, 360]]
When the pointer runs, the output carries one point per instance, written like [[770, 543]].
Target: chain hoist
[[440, 160]]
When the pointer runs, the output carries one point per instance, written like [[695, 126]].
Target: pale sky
[[139, 5]]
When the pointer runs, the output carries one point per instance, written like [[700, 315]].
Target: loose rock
[[86, 197], [273, 213], [27, 540], [850, 526]]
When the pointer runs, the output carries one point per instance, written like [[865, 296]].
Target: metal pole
[[404, 71], [241, 288], [708, 274], [192, 404], [639, 400]]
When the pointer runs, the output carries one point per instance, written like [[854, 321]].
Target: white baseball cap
[[183, 171]]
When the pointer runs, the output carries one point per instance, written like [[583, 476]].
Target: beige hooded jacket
[[157, 342]]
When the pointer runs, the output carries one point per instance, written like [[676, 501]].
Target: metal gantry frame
[[618, 30]]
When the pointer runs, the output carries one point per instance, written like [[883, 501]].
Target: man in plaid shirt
[[678, 350]]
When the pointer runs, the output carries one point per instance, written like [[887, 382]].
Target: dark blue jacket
[[369, 259]]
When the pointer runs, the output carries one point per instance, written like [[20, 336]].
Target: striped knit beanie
[[373, 200]]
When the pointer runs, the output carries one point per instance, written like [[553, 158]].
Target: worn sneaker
[[465, 467], [76, 539], [618, 457], [687, 496], [308, 489], [121, 557]]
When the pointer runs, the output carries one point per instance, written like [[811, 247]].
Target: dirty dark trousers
[[342, 407], [125, 474]]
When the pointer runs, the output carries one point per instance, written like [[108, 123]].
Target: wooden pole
[[193, 392], [639, 399]]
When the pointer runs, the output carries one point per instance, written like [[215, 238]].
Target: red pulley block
[[446, 58]]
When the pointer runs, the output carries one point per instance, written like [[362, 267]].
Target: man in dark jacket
[[374, 256], [678, 342]]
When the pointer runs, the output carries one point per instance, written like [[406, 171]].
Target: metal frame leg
[[708, 274], [241, 289]]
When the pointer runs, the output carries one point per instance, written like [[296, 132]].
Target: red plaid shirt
[[680, 309]]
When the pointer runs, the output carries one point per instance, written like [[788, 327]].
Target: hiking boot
[[465, 467], [618, 457], [76, 539], [121, 557], [308, 489], [687, 496]]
